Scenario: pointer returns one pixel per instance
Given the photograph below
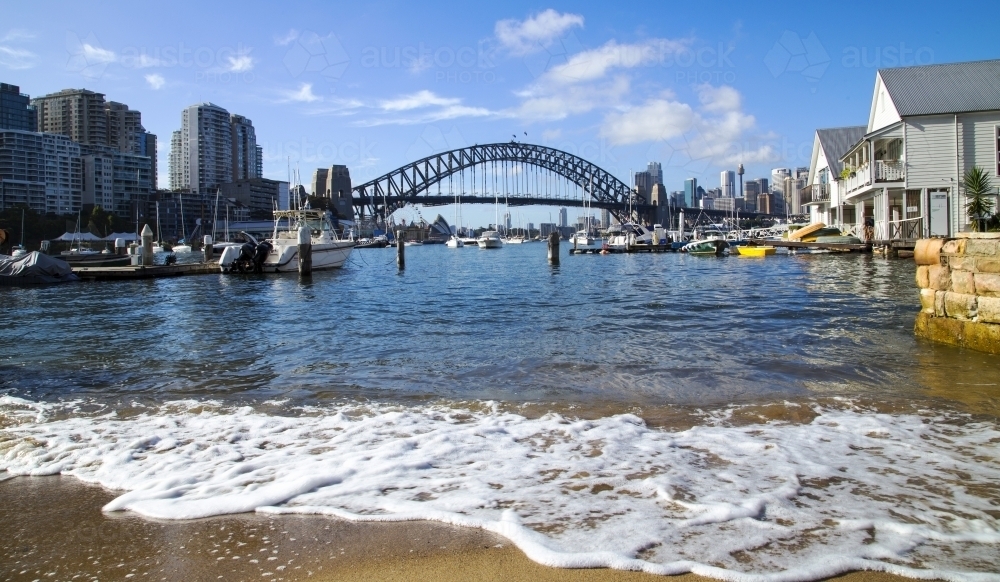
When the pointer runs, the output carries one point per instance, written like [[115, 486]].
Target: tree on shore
[[978, 205]]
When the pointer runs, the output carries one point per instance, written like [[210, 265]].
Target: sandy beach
[[54, 529]]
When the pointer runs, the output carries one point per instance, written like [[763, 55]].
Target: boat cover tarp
[[84, 236], [35, 268]]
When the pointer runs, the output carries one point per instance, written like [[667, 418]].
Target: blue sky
[[697, 86]]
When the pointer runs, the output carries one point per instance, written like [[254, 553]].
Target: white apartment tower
[[727, 181], [206, 149]]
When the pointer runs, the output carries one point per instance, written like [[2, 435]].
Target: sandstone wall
[[959, 281]]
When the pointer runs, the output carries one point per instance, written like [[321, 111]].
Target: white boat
[[454, 243], [180, 247], [413, 243], [282, 250], [469, 241], [581, 238], [630, 235], [515, 240], [490, 239]]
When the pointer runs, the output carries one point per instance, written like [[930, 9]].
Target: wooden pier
[[144, 272], [630, 249]]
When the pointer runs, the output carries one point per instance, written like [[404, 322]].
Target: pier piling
[[554, 248], [147, 246], [400, 253], [305, 251], [208, 247]]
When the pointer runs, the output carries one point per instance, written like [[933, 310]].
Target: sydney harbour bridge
[[514, 173]]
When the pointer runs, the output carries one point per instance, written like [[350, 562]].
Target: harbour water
[[667, 413]]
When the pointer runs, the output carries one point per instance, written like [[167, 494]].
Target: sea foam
[[910, 494]]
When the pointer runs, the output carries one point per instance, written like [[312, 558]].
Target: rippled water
[[666, 413], [462, 324]]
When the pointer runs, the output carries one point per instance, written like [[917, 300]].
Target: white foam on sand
[[913, 494]]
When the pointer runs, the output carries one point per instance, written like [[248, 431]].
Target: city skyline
[[578, 78]]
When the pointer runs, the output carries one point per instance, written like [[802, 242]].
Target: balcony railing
[[815, 193], [889, 171], [885, 171]]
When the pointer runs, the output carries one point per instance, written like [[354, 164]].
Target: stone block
[[939, 304], [927, 251], [988, 284], [927, 300], [987, 266], [923, 281], [981, 247], [939, 277], [960, 305], [974, 335], [963, 282], [959, 262], [954, 247], [988, 308]]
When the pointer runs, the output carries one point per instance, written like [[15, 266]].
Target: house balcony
[[816, 194], [863, 179]]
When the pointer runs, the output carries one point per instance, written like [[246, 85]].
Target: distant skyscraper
[[655, 172], [16, 111], [206, 149], [563, 218], [691, 192], [643, 184], [245, 162], [86, 118], [727, 181]]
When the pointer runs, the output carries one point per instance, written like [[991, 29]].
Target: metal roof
[[836, 142], [950, 88]]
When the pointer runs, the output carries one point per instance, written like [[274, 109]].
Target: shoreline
[[55, 528]]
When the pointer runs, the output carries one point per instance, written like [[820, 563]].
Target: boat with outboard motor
[[490, 239], [280, 253], [628, 235]]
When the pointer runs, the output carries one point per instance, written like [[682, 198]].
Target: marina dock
[[144, 272], [788, 244]]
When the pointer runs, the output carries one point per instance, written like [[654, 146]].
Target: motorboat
[[490, 239], [516, 240], [712, 246], [581, 238], [629, 235], [182, 247], [413, 243], [454, 243], [280, 252], [754, 251]]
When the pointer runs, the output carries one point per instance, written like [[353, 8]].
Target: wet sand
[[53, 529]]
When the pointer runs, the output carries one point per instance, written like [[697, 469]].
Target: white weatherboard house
[[927, 126], [823, 196]]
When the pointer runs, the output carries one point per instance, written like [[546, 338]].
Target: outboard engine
[[260, 255], [227, 260]]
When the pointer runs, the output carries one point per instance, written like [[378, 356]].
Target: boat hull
[[745, 251], [285, 258]]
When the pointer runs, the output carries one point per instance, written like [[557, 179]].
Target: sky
[[697, 86]]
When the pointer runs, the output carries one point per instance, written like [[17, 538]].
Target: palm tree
[[977, 187]]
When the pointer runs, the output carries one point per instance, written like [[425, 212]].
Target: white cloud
[[155, 80], [596, 63], [420, 64], [548, 104], [240, 63], [717, 131], [95, 54], [303, 95], [523, 37], [16, 58], [551, 134], [658, 119], [719, 99], [15, 35], [418, 100], [287, 39]]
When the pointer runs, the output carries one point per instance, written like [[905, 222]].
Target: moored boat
[[754, 251], [280, 253], [490, 239]]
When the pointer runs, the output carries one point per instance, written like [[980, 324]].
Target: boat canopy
[[83, 236]]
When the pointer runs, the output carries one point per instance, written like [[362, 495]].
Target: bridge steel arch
[[392, 191]]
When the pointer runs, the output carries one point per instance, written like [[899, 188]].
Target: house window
[[997, 152]]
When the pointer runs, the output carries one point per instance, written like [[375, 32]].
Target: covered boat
[[34, 268]]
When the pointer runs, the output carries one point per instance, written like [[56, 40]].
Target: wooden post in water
[[305, 251], [208, 247], [400, 253], [554, 248], [147, 246]]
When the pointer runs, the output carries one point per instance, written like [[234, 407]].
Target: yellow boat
[[755, 251]]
